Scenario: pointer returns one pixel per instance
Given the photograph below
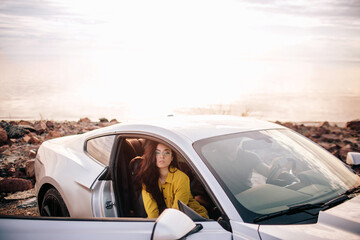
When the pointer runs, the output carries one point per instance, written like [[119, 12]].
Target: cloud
[[42, 27], [252, 27], [329, 11]]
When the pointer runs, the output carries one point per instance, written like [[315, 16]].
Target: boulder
[[29, 128], [353, 125], [50, 125], [104, 124], [35, 140], [331, 147], [325, 125], [15, 131], [103, 120], [10, 185], [40, 127], [24, 123], [4, 148], [26, 138], [330, 137], [54, 134], [3, 136], [30, 168], [84, 120], [344, 150], [114, 121]]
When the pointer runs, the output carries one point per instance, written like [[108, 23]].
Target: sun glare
[[136, 55]]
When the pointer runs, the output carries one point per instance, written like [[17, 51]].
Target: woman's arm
[[183, 193], [181, 190], [150, 204]]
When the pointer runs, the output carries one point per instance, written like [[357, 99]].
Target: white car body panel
[[81, 170], [340, 222], [40, 229]]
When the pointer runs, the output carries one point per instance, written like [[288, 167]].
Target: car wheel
[[53, 205]]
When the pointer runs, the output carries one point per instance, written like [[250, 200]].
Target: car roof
[[199, 126]]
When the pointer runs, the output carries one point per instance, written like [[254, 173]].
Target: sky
[[155, 57]]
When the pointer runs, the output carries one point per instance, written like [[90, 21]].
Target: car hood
[[340, 222]]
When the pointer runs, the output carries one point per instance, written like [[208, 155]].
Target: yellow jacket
[[176, 187]]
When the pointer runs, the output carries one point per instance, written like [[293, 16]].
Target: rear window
[[100, 148]]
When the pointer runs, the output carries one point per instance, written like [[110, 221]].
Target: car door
[[100, 148], [126, 148], [172, 224], [109, 228]]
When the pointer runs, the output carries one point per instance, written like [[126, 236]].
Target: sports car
[[258, 180]]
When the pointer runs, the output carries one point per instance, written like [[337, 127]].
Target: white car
[[259, 180]]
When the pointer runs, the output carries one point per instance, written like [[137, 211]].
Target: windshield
[[268, 171]]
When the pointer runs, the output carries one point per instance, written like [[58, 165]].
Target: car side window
[[100, 148]]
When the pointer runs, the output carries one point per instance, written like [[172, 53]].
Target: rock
[[3, 136], [21, 195], [50, 125], [24, 123], [288, 125], [10, 185], [29, 128], [325, 125], [103, 120], [4, 148], [323, 129], [353, 125], [54, 134], [19, 173], [35, 140], [84, 120], [26, 138], [31, 138], [30, 168], [40, 127], [15, 131], [32, 153], [104, 124], [344, 150], [329, 137], [114, 121], [331, 147], [29, 203]]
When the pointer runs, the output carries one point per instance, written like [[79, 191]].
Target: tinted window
[[100, 148]]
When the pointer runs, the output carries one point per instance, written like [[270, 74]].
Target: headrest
[[136, 145]]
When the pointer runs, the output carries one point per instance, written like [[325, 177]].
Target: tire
[[53, 205]]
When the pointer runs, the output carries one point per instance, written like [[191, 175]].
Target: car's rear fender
[[70, 172]]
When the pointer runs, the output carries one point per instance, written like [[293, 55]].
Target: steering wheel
[[280, 177]]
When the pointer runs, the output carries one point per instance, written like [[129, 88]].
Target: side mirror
[[353, 158], [173, 224]]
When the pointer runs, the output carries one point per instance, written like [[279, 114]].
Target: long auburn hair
[[148, 173]]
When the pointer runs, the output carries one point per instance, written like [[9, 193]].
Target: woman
[[163, 184]]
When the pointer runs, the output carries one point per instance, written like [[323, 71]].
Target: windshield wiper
[[353, 190], [307, 206], [291, 210]]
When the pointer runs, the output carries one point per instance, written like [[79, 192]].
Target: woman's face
[[163, 156]]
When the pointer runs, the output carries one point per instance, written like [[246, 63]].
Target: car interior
[[127, 158]]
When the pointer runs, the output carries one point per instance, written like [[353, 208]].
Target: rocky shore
[[20, 140]]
